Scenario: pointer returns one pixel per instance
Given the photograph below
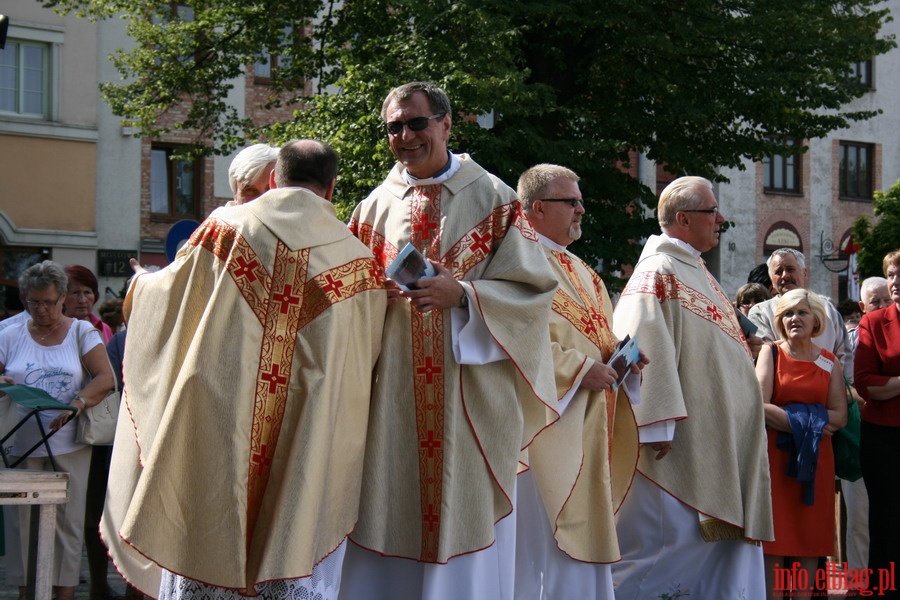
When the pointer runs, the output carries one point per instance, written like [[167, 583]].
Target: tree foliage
[[876, 240], [694, 84]]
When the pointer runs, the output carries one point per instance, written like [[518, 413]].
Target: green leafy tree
[[696, 85], [876, 240]]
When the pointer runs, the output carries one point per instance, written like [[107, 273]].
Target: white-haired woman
[[803, 391], [51, 351]]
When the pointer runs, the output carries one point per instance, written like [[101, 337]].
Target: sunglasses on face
[[414, 124], [573, 202]]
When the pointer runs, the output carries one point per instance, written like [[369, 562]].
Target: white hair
[[872, 283], [782, 252], [249, 163]]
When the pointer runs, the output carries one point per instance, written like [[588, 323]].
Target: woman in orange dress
[[803, 391]]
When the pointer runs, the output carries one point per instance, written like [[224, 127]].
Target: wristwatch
[[464, 301]]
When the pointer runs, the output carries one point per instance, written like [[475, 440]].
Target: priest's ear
[[329, 191]]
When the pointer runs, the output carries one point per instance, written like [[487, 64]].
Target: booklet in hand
[[409, 267], [747, 326], [621, 361]]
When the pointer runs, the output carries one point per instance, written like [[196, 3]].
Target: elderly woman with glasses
[[64, 357]]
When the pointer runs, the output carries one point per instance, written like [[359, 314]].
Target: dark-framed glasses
[[709, 211], [414, 124], [573, 202], [48, 304]]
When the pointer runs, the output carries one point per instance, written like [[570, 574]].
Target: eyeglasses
[[48, 304], [414, 124], [709, 211], [573, 202]]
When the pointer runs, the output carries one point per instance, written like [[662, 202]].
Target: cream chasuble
[[584, 463], [239, 448], [444, 438], [701, 374]]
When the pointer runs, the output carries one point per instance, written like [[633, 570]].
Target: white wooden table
[[45, 489]]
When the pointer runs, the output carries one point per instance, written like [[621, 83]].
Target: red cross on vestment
[[430, 444], [333, 286], [425, 226], [286, 298], [273, 378], [245, 268], [481, 242], [714, 312], [262, 457], [589, 326], [431, 518], [429, 370]]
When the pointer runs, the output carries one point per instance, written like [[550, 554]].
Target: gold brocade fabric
[[584, 463], [444, 438], [238, 454], [700, 374]]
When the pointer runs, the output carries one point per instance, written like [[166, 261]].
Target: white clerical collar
[[550, 243], [682, 244], [437, 179]]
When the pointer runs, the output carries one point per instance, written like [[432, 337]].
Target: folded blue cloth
[[802, 444]]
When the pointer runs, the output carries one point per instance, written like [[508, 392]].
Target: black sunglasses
[[414, 124], [573, 202]]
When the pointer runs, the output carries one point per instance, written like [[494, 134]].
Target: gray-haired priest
[[701, 501]]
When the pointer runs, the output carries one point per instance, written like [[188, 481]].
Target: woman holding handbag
[[51, 351], [803, 391], [82, 295]]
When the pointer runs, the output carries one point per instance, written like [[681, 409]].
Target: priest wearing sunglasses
[[465, 380]]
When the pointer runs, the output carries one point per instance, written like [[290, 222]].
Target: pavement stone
[[9, 592]]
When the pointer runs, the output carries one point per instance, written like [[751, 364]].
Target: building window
[[25, 78], [13, 262], [855, 166], [861, 72], [266, 68], [174, 185], [781, 173]]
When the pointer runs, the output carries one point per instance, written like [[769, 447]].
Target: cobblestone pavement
[[8, 592]]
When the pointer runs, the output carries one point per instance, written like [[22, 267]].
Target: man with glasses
[[581, 467], [465, 379], [702, 491], [787, 269]]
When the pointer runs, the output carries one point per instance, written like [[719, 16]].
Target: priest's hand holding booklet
[[626, 355], [409, 267]]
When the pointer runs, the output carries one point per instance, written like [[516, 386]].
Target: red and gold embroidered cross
[[273, 378], [431, 518], [333, 286], [430, 444], [246, 268], [425, 226], [263, 457], [481, 242], [286, 298], [429, 370]]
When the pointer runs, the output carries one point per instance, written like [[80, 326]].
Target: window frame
[[172, 185], [773, 161], [19, 69], [844, 171], [863, 73], [290, 32]]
